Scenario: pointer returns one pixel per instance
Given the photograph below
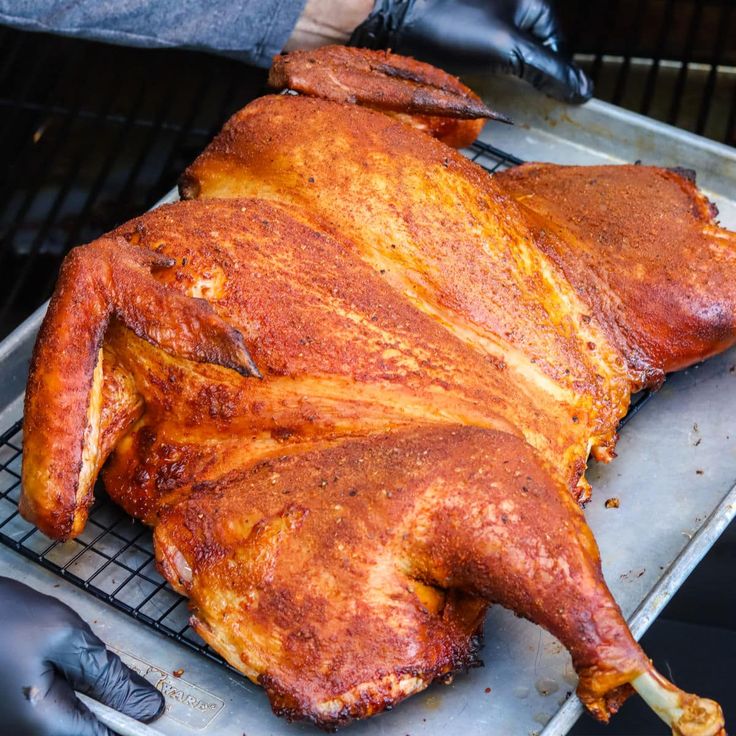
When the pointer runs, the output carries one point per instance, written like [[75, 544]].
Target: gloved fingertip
[[571, 85], [142, 701], [153, 705], [105, 677], [582, 89], [549, 72]]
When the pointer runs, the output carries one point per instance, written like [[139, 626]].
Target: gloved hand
[[520, 37], [46, 652]]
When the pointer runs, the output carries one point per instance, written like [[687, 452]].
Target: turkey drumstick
[[386, 549]]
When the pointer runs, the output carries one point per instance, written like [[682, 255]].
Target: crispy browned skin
[[416, 93], [450, 242], [659, 278], [363, 401], [351, 576], [436, 367], [73, 417], [340, 351]]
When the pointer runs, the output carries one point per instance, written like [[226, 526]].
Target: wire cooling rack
[[492, 159], [112, 559]]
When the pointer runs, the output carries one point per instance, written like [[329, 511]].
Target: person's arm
[[327, 21], [250, 30], [46, 653]]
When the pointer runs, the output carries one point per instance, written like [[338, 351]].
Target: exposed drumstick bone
[[685, 714]]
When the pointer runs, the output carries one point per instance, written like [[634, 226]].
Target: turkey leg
[[510, 534]]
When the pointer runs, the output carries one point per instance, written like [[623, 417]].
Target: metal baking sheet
[[674, 477]]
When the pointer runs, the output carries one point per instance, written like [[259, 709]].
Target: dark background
[[91, 135]]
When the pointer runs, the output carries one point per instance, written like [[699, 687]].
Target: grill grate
[[90, 136], [492, 159], [674, 60], [113, 557]]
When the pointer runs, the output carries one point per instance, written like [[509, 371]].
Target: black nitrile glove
[[520, 37], [46, 652]]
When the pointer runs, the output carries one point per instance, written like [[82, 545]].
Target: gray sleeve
[[251, 30]]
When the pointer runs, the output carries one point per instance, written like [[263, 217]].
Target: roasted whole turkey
[[354, 381]]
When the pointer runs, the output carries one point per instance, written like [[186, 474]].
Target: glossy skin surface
[[441, 233], [435, 368], [660, 279], [350, 576], [75, 410]]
